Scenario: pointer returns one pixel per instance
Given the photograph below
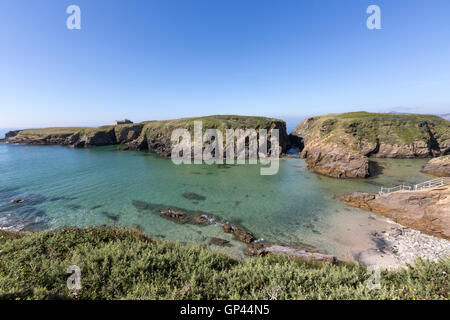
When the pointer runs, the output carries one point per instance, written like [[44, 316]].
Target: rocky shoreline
[[423, 210], [399, 246]]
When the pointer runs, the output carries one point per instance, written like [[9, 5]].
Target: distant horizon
[[291, 121]]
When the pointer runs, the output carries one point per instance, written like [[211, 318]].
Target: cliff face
[[339, 145], [156, 135], [152, 135], [74, 137]]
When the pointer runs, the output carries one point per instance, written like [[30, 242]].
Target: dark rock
[[175, 216], [110, 216], [193, 196], [17, 200], [227, 228], [264, 248], [73, 206], [220, 242], [62, 198], [34, 199], [142, 205]]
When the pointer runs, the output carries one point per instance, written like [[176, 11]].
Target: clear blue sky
[[164, 59]]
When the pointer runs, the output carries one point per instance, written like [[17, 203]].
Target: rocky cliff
[[150, 135], [424, 210], [339, 145]]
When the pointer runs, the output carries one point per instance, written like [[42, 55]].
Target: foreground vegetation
[[125, 264]]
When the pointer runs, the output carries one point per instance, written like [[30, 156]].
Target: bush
[[121, 263]]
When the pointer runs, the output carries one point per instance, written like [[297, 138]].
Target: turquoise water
[[96, 186]]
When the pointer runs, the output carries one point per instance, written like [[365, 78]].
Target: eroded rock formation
[[426, 210], [339, 145]]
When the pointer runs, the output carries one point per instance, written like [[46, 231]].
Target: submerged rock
[[73, 206], [142, 205], [63, 198], [110, 216], [33, 199], [239, 233], [220, 242], [189, 217], [27, 218], [16, 200], [193, 196], [264, 248]]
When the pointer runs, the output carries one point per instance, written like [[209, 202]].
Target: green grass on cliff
[[217, 122], [64, 131], [124, 264], [221, 122], [392, 128]]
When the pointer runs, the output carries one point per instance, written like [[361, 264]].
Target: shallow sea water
[[96, 186]]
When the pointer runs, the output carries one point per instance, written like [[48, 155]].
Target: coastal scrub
[[121, 263]]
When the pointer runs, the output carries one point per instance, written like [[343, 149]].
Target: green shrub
[[120, 263]]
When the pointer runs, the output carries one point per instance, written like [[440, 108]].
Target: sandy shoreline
[[396, 246]]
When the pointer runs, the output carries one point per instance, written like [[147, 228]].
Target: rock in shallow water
[[193, 196], [263, 248], [220, 242]]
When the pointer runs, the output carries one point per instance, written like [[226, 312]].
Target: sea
[[101, 186]]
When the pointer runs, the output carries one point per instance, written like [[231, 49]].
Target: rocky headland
[[340, 145], [439, 167], [149, 135]]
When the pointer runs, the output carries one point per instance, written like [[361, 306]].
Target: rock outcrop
[[333, 161], [340, 145], [150, 135], [74, 137], [438, 166], [424, 210]]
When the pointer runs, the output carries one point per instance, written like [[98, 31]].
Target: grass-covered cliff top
[[215, 121], [121, 263], [63, 131], [220, 122], [353, 127]]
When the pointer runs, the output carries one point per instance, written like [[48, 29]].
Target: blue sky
[[164, 59]]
